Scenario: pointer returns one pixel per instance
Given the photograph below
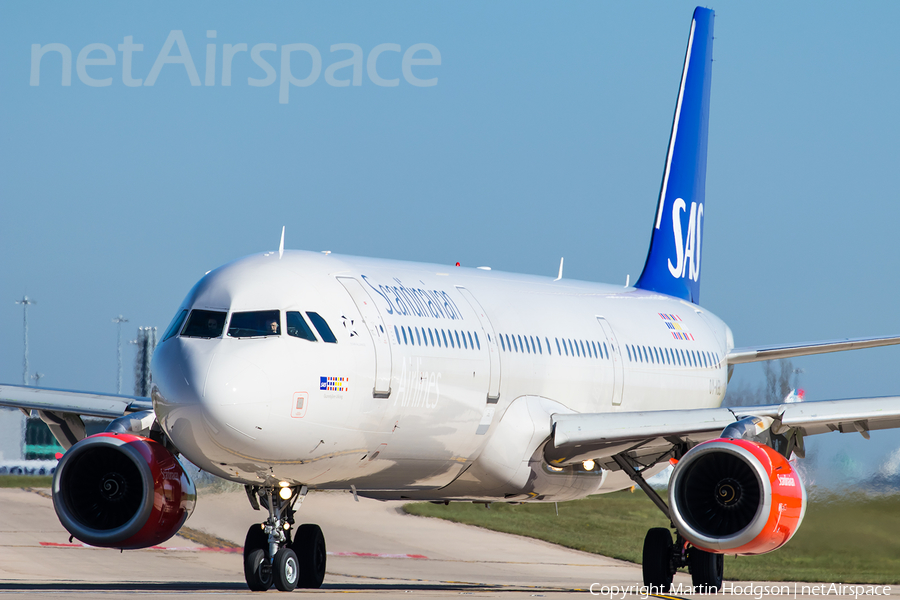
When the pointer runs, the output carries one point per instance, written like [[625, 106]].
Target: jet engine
[[117, 490], [736, 496]]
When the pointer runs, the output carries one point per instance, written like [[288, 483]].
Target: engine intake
[[736, 496], [123, 491]]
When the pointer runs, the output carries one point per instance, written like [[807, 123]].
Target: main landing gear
[[661, 557], [272, 556]]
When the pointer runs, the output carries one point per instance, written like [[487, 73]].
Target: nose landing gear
[[271, 556]]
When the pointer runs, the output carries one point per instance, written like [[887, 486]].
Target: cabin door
[[377, 331]]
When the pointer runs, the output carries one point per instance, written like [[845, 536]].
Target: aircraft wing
[[89, 404], [62, 409], [649, 436], [773, 352]]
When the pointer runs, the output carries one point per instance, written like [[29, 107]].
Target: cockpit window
[[175, 325], [204, 324], [322, 327], [297, 327], [258, 323]]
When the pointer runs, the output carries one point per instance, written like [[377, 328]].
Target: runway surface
[[375, 550]]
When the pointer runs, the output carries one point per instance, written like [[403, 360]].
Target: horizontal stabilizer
[[774, 352]]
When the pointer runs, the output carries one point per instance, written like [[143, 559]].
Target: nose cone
[[236, 396], [213, 404]]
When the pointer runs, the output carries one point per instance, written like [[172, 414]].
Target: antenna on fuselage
[[281, 245], [558, 277]]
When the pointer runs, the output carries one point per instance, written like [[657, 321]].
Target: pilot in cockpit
[[213, 326], [273, 327]]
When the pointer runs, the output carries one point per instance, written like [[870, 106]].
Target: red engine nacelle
[[117, 490], [734, 496]]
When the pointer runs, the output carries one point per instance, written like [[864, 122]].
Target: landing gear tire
[[256, 539], [257, 570], [286, 570], [309, 544], [657, 559], [706, 569]]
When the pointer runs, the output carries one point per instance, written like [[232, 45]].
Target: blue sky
[[544, 136]]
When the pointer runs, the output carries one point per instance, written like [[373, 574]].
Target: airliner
[[290, 371]]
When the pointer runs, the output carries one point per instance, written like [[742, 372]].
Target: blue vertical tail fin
[[673, 262]]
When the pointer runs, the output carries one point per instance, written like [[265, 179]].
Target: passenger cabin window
[[259, 323], [322, 327], [204, 324], [297, 326]]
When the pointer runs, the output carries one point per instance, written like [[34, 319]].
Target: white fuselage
[[428, 363]]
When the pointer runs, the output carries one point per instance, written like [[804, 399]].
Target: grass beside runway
[[842, 539], [21, 481]]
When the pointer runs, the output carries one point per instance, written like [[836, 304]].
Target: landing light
[[588, 465], [285, 493]]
